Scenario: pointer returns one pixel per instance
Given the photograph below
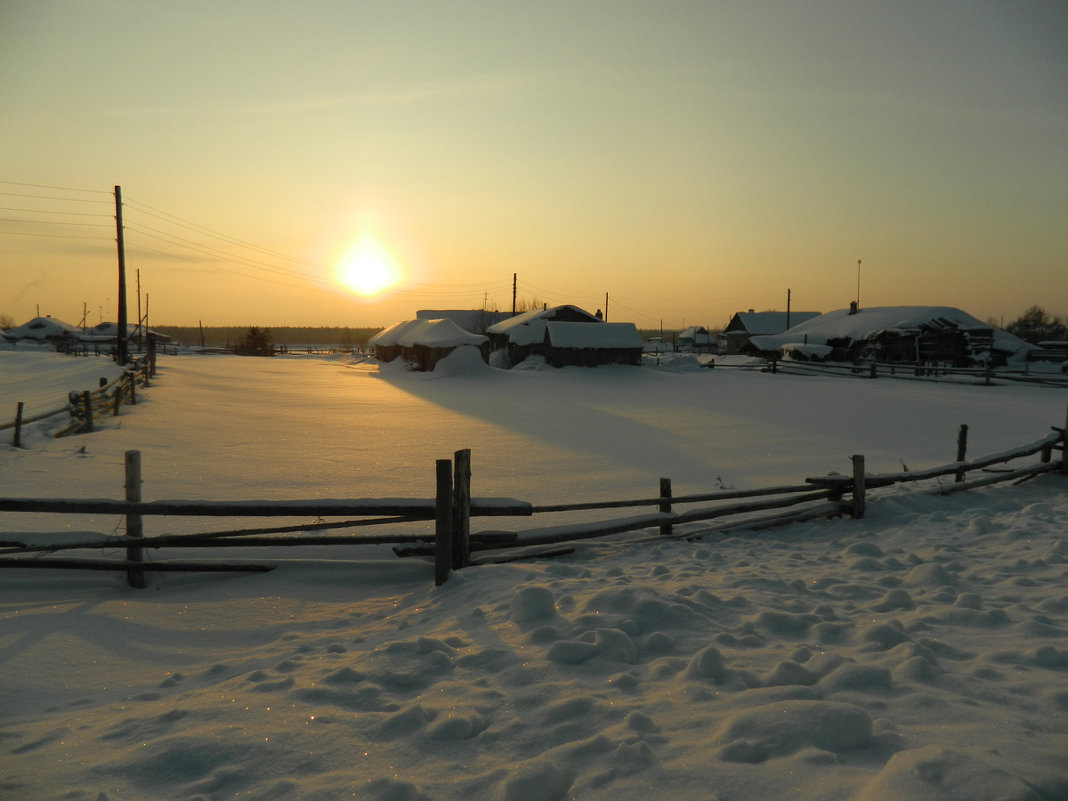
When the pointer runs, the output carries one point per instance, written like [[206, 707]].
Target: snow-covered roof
[[869, 323], [529, 327], [769, 322], [388, 336], [473, 320], [696, 333], [432, 333], [439, 334], [583, 336], [41, 328]]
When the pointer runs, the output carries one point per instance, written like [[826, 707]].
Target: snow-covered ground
[[919, 653]]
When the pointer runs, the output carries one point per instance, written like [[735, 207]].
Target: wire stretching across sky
[[153, 234], [34, 210], [213, 248]]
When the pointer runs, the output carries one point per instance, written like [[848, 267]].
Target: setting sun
[[368, 269]]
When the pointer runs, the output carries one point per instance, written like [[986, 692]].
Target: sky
[[680, 160]]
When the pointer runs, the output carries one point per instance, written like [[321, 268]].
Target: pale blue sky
[[691, 159]]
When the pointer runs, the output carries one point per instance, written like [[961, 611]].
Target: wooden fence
[[453, 545], [87, 406], [987, 376]]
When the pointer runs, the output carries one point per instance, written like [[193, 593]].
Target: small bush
[[257, 342]]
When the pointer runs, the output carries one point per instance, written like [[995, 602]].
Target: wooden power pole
[[121, 355], [140, 319]]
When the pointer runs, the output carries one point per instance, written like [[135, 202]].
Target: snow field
[[919, 653]]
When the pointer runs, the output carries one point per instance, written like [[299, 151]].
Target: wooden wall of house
[[592, 357]]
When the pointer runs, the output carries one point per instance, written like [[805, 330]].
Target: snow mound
[[464, 360]]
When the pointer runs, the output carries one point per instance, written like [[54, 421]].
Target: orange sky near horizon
[[688, 159]]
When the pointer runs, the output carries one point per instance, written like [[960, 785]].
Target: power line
[[59, 188], [182, 223], [326, 286], [52, 222], [67, 213], [204, 250], [56, 236], [51, 197]]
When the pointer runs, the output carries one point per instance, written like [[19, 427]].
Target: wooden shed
[[384, 344], [519, 337], [423, 343], [744, 325], [583, 345]]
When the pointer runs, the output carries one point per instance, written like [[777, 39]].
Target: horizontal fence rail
[[85, 407], [919, 372], [453, 545]]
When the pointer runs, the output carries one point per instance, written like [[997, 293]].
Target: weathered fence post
[[1064, 446], [873, 371], [461, 509], [133, 389], [443, 522], [87, 410], [858, 486], [962, 450], [17, 441], [117, 400], [134, 524], [665, 505]]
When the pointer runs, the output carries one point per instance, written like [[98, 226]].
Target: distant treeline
[[219, 336]]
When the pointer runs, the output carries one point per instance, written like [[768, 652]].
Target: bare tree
[[1035, 325]]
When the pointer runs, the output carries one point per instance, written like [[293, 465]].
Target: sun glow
[[368, 269]]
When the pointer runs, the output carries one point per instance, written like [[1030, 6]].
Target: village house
[[697, 339], [895, 335], [67, 338], [582, 345], [744, 325], [43, 330], [423, 343], [514, 339], [563, 336]]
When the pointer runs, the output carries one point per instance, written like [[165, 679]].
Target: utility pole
[[121, 355], [513, 294], [140, 337], [858, 284], [787, 309], [606, 307]]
